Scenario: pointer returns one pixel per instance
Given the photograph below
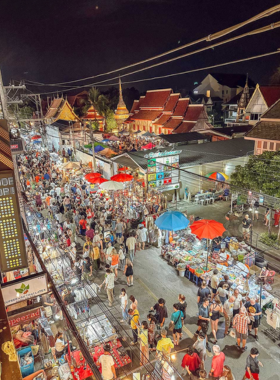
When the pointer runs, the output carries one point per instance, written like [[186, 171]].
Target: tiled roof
[[135, 106], [273, 112], [172, 123], [193, 112], [92, 114], [162, 120], [267, 130], [185, 127], [229, 131], [270, 93], [53, 109], [146, 115], [171, 102], [183, 137], [155, 98], [181, 107]]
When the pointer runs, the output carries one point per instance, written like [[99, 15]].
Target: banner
[[24, 289], [24, 317]]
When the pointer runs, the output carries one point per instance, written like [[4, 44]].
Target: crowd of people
[[101, 239]]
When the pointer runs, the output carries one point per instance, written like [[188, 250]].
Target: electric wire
[[210, 37]]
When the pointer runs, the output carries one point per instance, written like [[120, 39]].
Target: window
[[254, 116], [277, 146], [271, 146], [208, 93], [259, 144], [264, 145], [223, 92]]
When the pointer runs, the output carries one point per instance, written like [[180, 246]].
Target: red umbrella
[[36, 137], [207, 229], [97, 180], [148, 146], [92, 176], [123, 169], [122, 177]]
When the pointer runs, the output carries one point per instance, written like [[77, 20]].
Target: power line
[[210, 37], [171, 75]]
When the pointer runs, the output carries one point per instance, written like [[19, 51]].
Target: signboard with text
[[24, 289], [163, 170], [25, 317], [12, 245]]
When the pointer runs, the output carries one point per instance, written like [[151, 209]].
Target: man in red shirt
[[83, 226], [217, 362], [89, 232], [191, 361], [37, 178]]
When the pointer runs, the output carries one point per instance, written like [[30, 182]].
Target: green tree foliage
[[261, 173], [110, 123]]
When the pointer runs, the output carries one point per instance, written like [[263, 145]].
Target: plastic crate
[[28, 369]]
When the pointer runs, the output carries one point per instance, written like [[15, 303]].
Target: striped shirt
[[240, 323]]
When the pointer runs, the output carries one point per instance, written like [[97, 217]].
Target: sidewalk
[[218, 210]]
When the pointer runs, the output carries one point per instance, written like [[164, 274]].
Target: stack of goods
[[118, 353]]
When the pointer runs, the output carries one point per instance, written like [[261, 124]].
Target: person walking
[[203, 319], [217, 365], [95, 256], [214, 282], [228, 313], [128, 272], [144, 343], [86, 269], [227, 374], [255, 311], [200, 347], [182, 306], [215, 309], [246, 227], [142, 236], [123, 297], [191, 361], [238, 302], [114, 262], [121, 257], [222, 293], [203, 292], [176, 319], [131, 245], [240, 324], [134, 323], [134, 302], [109, 286], [252, 365], [107, 364]]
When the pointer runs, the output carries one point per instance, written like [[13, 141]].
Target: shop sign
[[16, 146], [24, 289], [163, 171], [170, 187], [25, 317], [163, 154], [12, 245]]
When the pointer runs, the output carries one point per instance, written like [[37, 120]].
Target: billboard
[[12, 245], [163, 170]]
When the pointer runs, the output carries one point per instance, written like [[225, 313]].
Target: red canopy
[[148, 146], [122, 177], [123, 169], [97, 180], [36, 137], [90, 176], [207, 229]]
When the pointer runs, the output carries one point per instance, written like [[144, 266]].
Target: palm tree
[[99, 101]]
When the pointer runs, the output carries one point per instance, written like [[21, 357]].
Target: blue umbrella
[[172, 221], [106, 140], [98, 148]]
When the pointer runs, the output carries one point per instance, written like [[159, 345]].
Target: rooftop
[[185, 127], [194, 112], [271, 94], [181, 107], [171, 103], [172, 123], [155, 98], [146, 115], [265, 130], [183, 137], [230, 131], [162, 120]]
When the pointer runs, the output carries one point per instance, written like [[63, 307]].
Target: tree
[[260, 174], [99, 101], [110, 121], [94, 125]]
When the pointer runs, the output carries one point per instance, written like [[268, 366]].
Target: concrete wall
[[106, 168], [53, 137]]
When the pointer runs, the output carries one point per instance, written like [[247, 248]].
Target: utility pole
[[93, 151]]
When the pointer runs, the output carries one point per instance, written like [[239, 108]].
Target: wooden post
[[8, 355]]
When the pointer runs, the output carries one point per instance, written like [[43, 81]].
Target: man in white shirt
[[142, 236], [109, 286], [237, 302], [131, 243], [107, 363]]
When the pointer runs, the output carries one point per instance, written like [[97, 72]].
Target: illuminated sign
[[12, 246], [163, 154], [25, 317], [16, 146], [24, 288], [163, 170]]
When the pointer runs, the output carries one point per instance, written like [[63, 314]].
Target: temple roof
[[181, 107], [273, 112], [162, 120], [156, 99], [185, 127], [270, 93], [135, 106], [60, 109], [195, 111], [172, 101], [146, 115], [121, 113], [172, 123], [92, 114]]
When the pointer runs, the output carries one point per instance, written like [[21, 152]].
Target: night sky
[[59, 40]]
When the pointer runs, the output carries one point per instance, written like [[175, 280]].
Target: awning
[[125, 160]]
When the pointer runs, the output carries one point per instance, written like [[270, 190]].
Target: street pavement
[[155, 278]]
